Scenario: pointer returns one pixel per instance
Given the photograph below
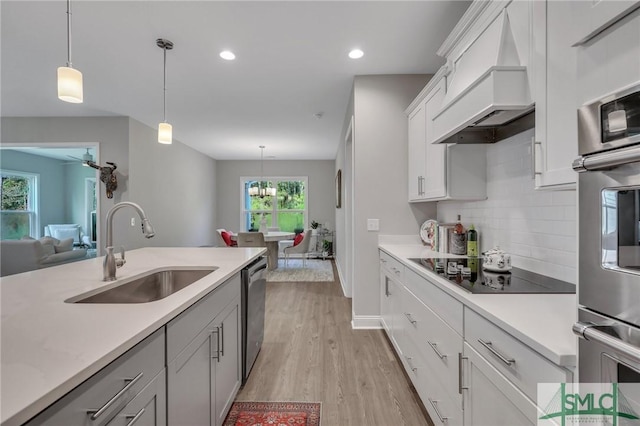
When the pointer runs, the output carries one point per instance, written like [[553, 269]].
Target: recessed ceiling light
[[227, 55], [356, 54]]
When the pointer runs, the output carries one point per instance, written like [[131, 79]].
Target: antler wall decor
[[107, 176]]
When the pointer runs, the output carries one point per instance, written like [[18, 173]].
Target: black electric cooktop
[[468, 274]]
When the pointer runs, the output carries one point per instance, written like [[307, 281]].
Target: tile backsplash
[[538, 228]]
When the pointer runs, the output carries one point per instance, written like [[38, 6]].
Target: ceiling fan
[[85, 158]]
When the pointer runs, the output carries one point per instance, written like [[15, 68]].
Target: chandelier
[[259, 190]]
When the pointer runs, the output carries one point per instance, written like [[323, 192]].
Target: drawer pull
[[134, 418], [434, 404], [97, 413], [408, 358], [460, 387], [435, 349], [489, 346], [411, 320]]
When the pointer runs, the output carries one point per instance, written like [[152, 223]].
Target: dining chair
[[224, 238], [301, 248], [251, 239]]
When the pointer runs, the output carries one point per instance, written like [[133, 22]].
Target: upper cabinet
[[440, 172], [503, 60], [554, 90], [592, 17]]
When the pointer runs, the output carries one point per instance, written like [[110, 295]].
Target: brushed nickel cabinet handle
[[216, 331], [460, 387], [386, 288], [504, 359], [134, 418], [434, 404], [97, 413], [435, 349], [408, 358], [411, 320], [222, 339]]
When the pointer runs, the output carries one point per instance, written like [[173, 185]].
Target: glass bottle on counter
[[472, 242], [458, 239]]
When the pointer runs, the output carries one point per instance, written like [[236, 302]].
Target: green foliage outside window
[[15, 217]]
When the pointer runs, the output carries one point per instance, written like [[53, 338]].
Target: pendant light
[[69, 79], [165, 135], [259, 190]]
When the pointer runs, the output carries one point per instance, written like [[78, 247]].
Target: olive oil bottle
[[472, 242]]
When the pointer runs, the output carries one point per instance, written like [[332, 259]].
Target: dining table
[[271, 239]]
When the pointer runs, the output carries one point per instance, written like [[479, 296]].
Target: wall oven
[[609, 240]]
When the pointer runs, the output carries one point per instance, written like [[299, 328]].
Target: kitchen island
[[49, 347]]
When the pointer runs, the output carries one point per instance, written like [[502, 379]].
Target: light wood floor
[[310, 353]]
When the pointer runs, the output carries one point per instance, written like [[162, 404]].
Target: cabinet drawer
[[149, 407], [186, 326], [144, 361], [520, 364], [445, 306], [392, 265], [436, 341]]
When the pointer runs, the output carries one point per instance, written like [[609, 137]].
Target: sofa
[[68, 230], [28, 254]]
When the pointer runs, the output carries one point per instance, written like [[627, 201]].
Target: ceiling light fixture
[[86, 157], [69, 79], [165, 131], [227, 55], [259, 190], [356, 54]]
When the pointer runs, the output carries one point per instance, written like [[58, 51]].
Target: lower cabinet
[[491, 399], [186, 373], [148, 408], [466, 369], [204, 377]]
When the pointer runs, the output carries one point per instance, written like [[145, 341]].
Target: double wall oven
[[609, 239]]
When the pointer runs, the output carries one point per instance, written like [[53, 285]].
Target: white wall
[[321, 187], [380, 180], [537, 227]]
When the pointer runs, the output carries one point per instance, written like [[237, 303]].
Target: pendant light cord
[[69, 34], [164, 85]]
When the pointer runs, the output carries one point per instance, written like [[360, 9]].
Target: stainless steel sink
[[148, 288]]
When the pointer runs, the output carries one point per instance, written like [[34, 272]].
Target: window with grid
[[18, 209], [287, 210]]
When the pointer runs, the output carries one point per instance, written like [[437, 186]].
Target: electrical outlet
[[373, 224], [133, 221]]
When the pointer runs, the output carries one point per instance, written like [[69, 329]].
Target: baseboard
[[342, 280], [366, 322]]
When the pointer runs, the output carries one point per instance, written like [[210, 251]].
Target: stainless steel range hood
[[488, 96]]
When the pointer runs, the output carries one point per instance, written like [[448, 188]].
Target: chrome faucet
[[110, 262]]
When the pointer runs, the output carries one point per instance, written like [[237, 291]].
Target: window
[[19, 210], [287, 210]]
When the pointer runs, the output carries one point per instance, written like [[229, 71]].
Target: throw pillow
[[64, 245], [298, 239], [226, 237], [48, 245]]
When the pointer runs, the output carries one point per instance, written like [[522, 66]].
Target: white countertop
[[541, 321], [48, 347]]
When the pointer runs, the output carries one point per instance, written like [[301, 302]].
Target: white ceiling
[[291, 64]]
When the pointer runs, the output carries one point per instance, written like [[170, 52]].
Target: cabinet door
[[148, 408], [556, 135], [435, 185], [228, 369], [489, 398], [417, 152], [190, 389], [593, 17]]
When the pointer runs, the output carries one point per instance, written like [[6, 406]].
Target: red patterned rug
[[273, 414]]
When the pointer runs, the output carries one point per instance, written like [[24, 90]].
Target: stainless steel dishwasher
[[254, 280]]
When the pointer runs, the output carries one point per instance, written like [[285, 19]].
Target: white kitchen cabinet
[[489, 398], [554, 67], [204, 376], [438, 171], [391, 275], [148, 408], [593, 17], [417, 155], [101, 397]]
